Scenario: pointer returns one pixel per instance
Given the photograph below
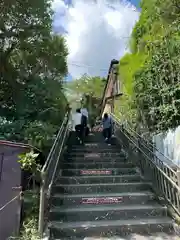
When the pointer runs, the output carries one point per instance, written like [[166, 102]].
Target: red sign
[[103, 200], [98, 172]]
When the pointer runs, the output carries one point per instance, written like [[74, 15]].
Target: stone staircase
[[100, 194]]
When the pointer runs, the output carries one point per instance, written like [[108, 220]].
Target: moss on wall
[[128, 66]]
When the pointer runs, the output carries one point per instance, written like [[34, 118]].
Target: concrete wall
[[169, 145]]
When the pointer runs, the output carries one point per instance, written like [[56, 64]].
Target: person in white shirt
[[84, 112], [77, 119]]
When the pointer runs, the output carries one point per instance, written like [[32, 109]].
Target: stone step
[[106, 212], [95, 158], [95, 137], [122, 228], [114, 141], [90, 155], [95, 146], [125, 198], [95, 150], [91, 145], [98, 179], [100, 187], [96, 165], [134, 236], [97, 172]]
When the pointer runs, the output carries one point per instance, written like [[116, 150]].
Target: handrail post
[[140, 160], [1, 165], [41, 206], [178, 177]]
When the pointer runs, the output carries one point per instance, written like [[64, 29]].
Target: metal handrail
[[1, 165], [147, 143], [54, 145], [150, 148], [165, 181], [50, 170]]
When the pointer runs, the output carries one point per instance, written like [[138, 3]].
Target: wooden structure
[[112, 89]]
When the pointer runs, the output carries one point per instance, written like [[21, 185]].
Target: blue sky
[[135, 2], [96, 31]]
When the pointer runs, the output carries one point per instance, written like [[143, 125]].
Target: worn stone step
[[90, 155], [122, 228], [143, 197], [99, 179], [96, 165], [95, 146], [95, 150], [95, 158], [97, 172], [134, 236], [106, 212], [101, 187]]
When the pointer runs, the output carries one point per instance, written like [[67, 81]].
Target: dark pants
[[107, 132], [86, 131], [80, 132]]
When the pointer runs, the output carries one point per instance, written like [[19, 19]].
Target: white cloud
[[97, 32]]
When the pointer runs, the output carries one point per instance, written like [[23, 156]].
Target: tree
[[89, 90], [155, 80], [33, 66], [88, 85]]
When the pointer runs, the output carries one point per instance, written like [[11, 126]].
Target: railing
[[50, 171], [165, 180], [1, 164], [149, 144]]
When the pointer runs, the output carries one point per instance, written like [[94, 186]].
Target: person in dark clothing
[[78, 125], [107, 127], [83, 128], [85, 116]]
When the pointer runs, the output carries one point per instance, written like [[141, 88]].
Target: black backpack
[[84, 120]]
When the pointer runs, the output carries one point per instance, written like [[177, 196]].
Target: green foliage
[[28, 161], [89, 91], [150, 75], [40, 134], [157, 86], [124, 107], [32, 70], [33, 65], [29, 229], [129, 64], [11, 130], [88, 85]]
